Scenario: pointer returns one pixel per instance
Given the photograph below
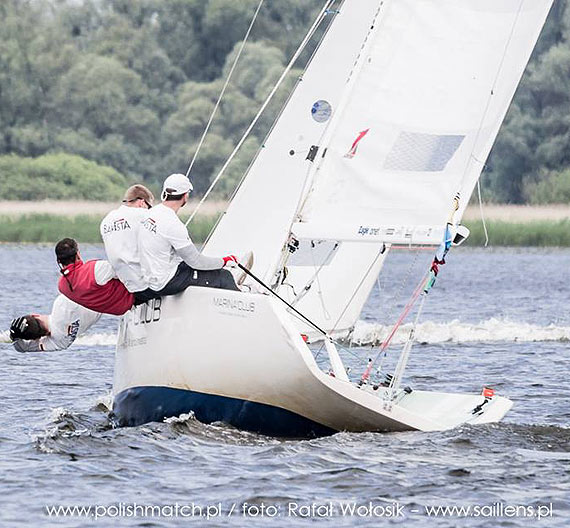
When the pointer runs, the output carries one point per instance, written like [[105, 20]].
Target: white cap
[[176, 184]]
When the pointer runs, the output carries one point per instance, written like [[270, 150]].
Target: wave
[[430, 332], [98, 339], [491, 330]]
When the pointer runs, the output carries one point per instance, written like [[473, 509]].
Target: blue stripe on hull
[[139, 405]]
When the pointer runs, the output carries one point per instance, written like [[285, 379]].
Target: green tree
[[58, 176]]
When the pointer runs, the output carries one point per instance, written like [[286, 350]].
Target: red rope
[[405, 312]]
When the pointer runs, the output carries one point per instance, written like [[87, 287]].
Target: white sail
[[420, 117], [260, 215], [397, 112]]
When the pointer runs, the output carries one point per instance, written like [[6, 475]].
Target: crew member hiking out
[[119, 231], [92, 284], [169, 259], [57, 331]]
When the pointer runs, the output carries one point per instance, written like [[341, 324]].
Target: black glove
[[17, 327]]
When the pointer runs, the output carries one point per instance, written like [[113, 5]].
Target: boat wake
[[365, 333], [97, 340], [73, 433], [491, 330]]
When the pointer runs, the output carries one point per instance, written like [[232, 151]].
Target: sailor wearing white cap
[[169, 259]]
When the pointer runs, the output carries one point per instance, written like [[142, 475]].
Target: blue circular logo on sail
[[321, 111]]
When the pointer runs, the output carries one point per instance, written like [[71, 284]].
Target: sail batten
[[375, 234]]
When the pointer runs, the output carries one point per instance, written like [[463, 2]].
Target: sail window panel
[[431, 96], [314, 253], [422, 152]]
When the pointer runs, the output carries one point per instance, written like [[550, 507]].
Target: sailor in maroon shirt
[[92, 284]]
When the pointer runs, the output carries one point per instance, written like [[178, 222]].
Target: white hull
[[237, 357]]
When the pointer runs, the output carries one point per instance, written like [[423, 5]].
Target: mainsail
[[394, 116]]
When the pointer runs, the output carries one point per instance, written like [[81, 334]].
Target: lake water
[[495, 317]]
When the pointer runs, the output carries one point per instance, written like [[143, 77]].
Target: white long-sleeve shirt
[[163, 243], [67, 321], [119, 231]]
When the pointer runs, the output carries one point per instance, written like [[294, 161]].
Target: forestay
[[419, 117]]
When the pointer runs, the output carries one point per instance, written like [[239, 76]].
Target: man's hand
[[18, 326], [230, 260]]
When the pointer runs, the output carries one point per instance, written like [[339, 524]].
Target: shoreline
[[508, 225], [504, 212]]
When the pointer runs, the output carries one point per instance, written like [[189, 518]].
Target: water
[[495, 317]]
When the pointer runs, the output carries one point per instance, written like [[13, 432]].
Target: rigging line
[[425, 286], [309, 283], [508, 43], [223, 91], [305, 318], [403, 315], [397, 300], [300, 49], [404, 358], [339, 346], [380, 253], [482, 213], [326, 313]]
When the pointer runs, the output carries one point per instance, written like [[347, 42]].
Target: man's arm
[[43, 344], [197, 261], [180, 240]]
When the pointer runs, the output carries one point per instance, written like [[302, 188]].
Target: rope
[[405, 312], [326, 313], [309, 283], [397, 298], [402, 363], [380, 253], [471, 156], [482, 214], [224, 87], [300, 49], [424, 285], [304, 317]]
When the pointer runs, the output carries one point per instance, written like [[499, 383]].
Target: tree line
[[130, 84]]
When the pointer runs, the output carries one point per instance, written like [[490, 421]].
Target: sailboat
[[380, 145]]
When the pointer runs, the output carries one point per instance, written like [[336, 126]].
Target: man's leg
[[227, 281], [186, 276], [145, 296]]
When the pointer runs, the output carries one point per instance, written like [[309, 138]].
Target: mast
[[319, 150]]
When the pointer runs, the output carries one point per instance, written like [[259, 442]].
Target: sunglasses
[[148, 205]]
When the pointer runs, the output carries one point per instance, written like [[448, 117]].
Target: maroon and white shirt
[[67, 322], [93, 285]]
